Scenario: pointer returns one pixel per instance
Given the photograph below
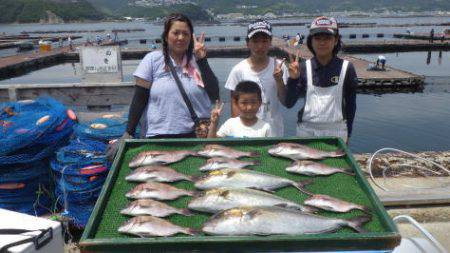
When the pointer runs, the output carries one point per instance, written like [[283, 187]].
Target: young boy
[[259, 68], [247, 97]]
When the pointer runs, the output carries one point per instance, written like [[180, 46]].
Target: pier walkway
[[391, 77], [19, 64]]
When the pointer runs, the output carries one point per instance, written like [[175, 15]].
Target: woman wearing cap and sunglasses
[[327, 82], [157, 93]]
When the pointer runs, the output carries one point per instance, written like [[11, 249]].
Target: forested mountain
[[76, 10], [313, 6], [27, 11]]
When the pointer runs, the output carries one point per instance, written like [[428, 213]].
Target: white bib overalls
[[322, 115]]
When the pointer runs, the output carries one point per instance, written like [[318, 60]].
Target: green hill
[[314, 6], [30, 11]]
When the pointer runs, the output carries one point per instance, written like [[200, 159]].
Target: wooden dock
[[391, 78]]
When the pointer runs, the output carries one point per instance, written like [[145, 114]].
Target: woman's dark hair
[[335, 49], [247, 87], [167, 25]]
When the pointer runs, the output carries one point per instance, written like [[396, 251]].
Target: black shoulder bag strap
[[183, 92], [39, 240]]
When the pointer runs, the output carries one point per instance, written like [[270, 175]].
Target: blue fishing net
[[79, 214], [26, 188], [78, 157], [80, 170], [32, 130], [36, 207], [102, 129]]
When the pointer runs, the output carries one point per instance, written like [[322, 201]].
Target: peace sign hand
[[278, 70], [199, 46], [294, 66], [216, 111]]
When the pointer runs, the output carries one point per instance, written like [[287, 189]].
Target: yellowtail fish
[[215, 200], [276, 221], [244, 178]]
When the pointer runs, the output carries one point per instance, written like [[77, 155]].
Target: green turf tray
[[101, 233]]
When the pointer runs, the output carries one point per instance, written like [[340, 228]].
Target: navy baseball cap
[[260, 26], [323, 25]]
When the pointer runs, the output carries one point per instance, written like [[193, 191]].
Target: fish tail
[[338, 153], [190, 193], [191, 231], [348, 173], [186, 212], [300, 185], [357, 222], [254, 154], [256, 162], [190, 178], [365, 209]]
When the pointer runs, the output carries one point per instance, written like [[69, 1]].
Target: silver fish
[[154, 190], [152, 207], [310, 168], [214, 150], [156, 173], [158, 157], [215, 200], [218, 163], [296, 151], [329, 203], [146, 226], [244, 178], [275, 220]]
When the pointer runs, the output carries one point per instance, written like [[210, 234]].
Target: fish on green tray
[[155, 190], [152, 207], [158, 157], [218, 163], [156, 173], [215, 150], [219, 199], [275, 221], [244, 178], [310, 168], [148, 226], [297, 151], [329, 203]]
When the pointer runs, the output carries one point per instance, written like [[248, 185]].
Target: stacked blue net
[[102, 129], [30, 133], [80, 170]]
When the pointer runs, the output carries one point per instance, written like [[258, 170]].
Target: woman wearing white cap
[[327, 82]]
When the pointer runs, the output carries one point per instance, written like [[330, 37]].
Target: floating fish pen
[[19, 64], [101, 233]]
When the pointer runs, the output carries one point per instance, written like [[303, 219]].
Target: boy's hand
[[199, 46], [294, 66], [216, 111], [278, 70]]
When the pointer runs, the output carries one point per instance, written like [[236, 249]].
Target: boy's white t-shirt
[[234, 127], [270, 107]]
